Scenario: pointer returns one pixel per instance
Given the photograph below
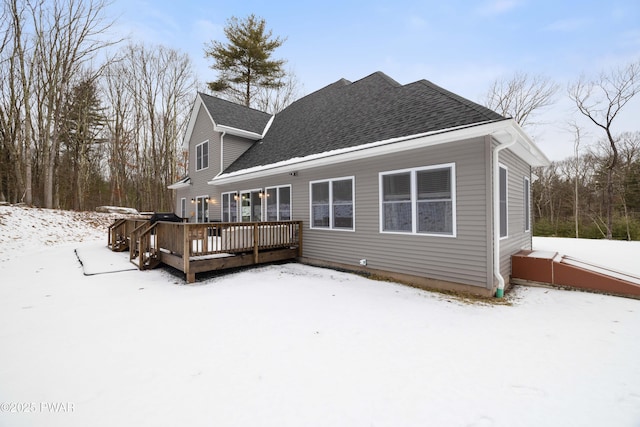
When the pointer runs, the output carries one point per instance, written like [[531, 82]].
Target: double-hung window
[[332, 204], [202, 156], [278, 203], [419, 200], [183, 207]]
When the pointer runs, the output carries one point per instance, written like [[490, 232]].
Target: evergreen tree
[[80, 129], [245, 63]]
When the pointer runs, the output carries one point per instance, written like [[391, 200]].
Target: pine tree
[[80, 128], [245, 63]]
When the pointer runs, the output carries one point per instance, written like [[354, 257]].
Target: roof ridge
[[473, 105], [383, 76], [233, 103]]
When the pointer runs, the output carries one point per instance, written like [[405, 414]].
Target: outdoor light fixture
[[193, 200]]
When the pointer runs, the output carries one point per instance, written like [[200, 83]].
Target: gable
[[235, 116], [226, 116]]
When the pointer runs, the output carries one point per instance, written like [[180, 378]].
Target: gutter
[[361, 151], [496, 213]]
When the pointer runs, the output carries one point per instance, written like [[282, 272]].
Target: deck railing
[[202, 239], [183, 244], [143, 249], [120, 231]]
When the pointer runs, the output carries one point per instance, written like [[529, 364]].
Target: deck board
[[200, 247]]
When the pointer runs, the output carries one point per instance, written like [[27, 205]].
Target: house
[[408, 182]]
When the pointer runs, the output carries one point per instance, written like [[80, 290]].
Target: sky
[[463, 46]]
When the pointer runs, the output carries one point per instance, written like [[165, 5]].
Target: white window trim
[[506, 181], [253, 190], [414, 200], [527, 204], [183, 207], [353, 201], [202, 155], [232, 194], [277, 188], [205, 198]]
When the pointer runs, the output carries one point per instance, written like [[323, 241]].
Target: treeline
[[86, 120], [570, 197]]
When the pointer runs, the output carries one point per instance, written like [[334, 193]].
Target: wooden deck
[[200, 247]]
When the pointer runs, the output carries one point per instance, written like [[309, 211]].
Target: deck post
[[186, 252], [256, 241], [300, 239]]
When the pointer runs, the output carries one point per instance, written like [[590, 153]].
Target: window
[[251, 206], [278, 203], [332, 204], [202, 209], [419, 201], [503, 202], [183, 207], [202, 156], [230, 207], [527, 204]]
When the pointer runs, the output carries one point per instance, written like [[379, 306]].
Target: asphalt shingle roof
[[346, 114], [238, 116]]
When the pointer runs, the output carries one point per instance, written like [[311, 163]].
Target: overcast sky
[[462, 46]]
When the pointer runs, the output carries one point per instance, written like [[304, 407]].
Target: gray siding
[[202, 131], [180, 193], [517, 237], [233, 147], [462, 259]]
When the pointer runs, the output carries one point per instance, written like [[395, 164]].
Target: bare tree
[[120, 139], [150, 89], [627, 175], [67, 37], [21, 76], [274, 100], [577, 136], [521, 97], [601, 100]]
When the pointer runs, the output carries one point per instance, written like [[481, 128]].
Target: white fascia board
[[237, 132], [359, 152], [192, 121], [500, 130], [183, 183], [524, 147], [266, 128], [178, 186]]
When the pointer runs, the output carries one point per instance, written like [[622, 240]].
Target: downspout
[[496, 214], [222, 151]]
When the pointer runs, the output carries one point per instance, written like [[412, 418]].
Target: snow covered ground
[[292, 345]]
